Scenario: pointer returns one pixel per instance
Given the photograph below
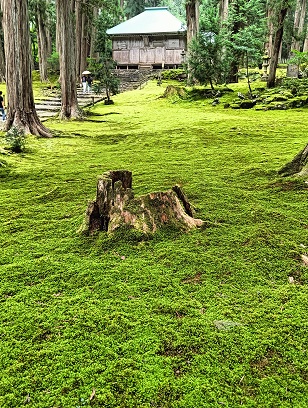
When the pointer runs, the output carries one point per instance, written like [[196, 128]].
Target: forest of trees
[[223, 35]]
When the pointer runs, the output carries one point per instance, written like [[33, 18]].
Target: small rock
[[225, 324], [305, 259]]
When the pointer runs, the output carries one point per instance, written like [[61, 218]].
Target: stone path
[[50, 106]]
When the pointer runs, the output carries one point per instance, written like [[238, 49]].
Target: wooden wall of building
[[148, 50]]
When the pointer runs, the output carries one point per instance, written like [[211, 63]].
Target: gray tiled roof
[[152, 20]]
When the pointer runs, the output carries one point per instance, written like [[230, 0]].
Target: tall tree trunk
[[2, 59], [83, 35], [21, 111], [276, 47], [305, 46], [235, 63], [299, 20], [93, 53], [84, 51], [270, 30], [192, 19], [67, 51], [42, 42], [223, 10], [298, 28], [192, 22], [78, 14]]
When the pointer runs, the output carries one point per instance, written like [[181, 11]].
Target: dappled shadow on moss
[[129, 236], [289, 185], [4, 168]]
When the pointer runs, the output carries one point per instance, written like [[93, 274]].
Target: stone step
[[42, 107], [49, 102], [48, 98]]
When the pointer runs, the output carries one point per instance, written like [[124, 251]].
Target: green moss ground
[[133, 318]]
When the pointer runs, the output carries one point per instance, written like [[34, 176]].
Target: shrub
[[16, 139], [175, 74]]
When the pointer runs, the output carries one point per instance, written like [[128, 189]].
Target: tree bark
[[85, 43], [192, 19], [85, 16], [299, 21], [78, 18], [2, 62], [115, 207], [299, 165], [235, 63], [42, 41], [276, 47], [223, 10], [93, 53], [67, 52], [21, 111], [298, 28], [305, 46], [268, 46]]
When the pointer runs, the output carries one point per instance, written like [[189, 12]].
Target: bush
[[175, 74], [16, 139]]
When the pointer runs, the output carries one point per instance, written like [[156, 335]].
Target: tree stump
[[115, 206], [299, 165]]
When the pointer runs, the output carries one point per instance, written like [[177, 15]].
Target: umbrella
[[85, 73]]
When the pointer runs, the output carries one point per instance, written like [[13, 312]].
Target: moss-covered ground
[[204, 319]]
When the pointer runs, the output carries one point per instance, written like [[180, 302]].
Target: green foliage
[[247, 36], [134, 7], [300, 58], [208, 62], [173, 74], [105, 77], [205, 63], [16, 139], [53, 63], [102, 69], [136, 319]]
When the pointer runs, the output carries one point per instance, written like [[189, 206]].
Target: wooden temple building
[[154, 39]]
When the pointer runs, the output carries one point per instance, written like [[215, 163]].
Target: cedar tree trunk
[[78, 14], [2, 62], [223, 10], [268, 46], [93, 53], [83, 37], [276, 48], [67, 52], [21, 111], [298, 28], [192, 19], [42, 41], [299, 165]]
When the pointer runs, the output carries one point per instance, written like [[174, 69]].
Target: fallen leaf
[[291, 280], [28, 399], [57, 294]]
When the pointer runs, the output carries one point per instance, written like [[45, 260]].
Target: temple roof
[[152, 21]]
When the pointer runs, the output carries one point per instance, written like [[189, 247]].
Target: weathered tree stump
[[299, 165], [115, 206]]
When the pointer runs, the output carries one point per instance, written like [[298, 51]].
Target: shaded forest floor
[[204, 319]]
